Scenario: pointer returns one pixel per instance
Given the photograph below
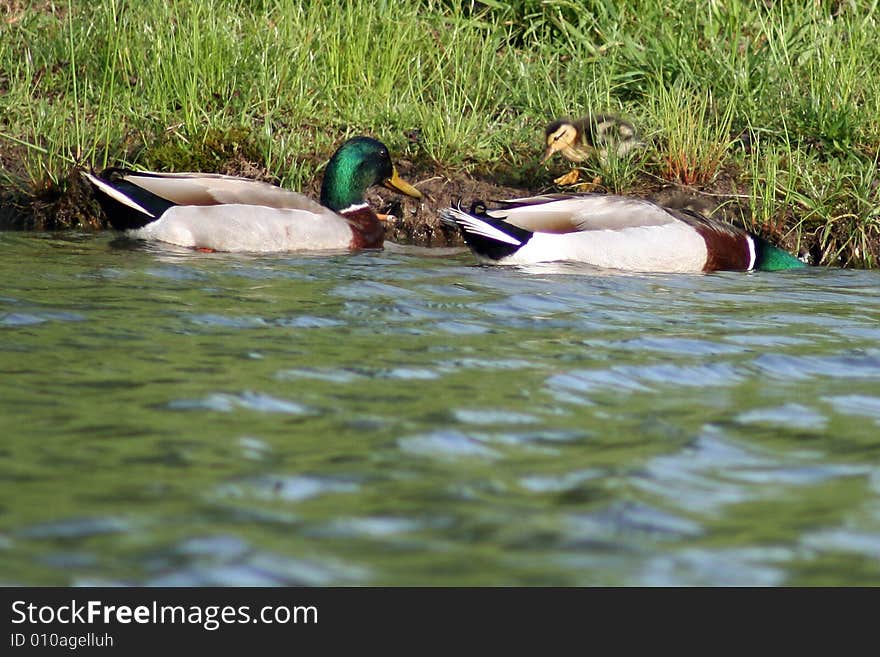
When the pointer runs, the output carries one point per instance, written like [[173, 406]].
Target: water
[[405, 417]]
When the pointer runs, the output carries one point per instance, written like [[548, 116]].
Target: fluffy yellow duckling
[[579, 139]]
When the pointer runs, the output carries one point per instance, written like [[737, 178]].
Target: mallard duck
[[579, 139], [225, 213], [613, 232]]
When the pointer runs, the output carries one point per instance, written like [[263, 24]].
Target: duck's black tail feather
[[126, 205], [486, 236]]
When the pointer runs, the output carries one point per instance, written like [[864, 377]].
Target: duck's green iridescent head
[[772, 258], [358, 164]]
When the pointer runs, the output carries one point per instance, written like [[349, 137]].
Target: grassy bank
[[770, 108]]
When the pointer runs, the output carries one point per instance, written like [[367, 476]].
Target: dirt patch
[[418, 221], [70, 205], [13, 11]]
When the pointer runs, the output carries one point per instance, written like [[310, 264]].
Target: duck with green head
[[226, 213], [612, 232]]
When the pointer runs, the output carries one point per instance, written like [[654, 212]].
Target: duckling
[[579, 139], [223, 213]]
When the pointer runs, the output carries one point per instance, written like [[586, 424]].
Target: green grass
[[695, 134], [783, 97]]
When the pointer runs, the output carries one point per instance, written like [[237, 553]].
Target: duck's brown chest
[[366, 229]]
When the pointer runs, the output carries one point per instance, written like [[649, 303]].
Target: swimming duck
[[613, 232], [225, 213], [578, 139]]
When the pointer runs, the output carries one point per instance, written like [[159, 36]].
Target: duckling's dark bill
[[398, 184]]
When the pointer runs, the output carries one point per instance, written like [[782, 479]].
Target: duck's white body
[[673, 247], [250, 228]]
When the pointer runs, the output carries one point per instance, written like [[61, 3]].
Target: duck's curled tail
[[487, 236], [126, 205]]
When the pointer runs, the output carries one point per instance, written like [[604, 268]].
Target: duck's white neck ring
[[752, 254], [354, 207]]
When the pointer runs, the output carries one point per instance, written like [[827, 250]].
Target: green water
[[404, 417]]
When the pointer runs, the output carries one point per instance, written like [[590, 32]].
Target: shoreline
[[72, 205]]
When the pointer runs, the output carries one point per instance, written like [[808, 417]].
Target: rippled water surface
[[405, 417]]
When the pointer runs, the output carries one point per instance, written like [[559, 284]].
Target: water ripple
[[227, 321], [845, 366], [715, 472], [374, 527], [791, 415], [622, 518], [309, 322], [632, 378], [331, 375], [260, 569], [558, 483], [486, 416], [724, 567], [78, 527], [295, 488], [447, 444], [675, 345], [844, 540], [861, 405], [29, 319], [252, 401]]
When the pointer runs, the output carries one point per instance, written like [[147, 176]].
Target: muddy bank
[[71, 205]]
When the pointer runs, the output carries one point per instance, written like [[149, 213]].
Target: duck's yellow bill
[[398, 184], [548, 154]]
